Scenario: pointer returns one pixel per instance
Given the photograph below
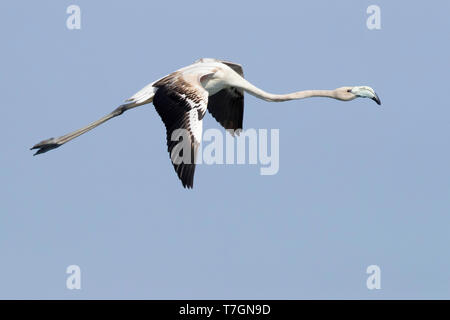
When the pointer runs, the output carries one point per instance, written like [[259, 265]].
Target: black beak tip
[[377, 100]]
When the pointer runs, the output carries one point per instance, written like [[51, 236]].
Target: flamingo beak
[[376, 99], [366, 92]]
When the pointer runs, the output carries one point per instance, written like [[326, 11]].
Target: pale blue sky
[[358, 184]]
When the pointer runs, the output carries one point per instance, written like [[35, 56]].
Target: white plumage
[[182, 98]]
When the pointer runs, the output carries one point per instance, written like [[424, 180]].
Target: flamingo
[[182, 98]]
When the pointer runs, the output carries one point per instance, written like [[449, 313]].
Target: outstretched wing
[[181, 105], [227, 105]]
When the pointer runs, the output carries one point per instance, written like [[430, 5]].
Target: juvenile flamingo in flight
[[182, 98]]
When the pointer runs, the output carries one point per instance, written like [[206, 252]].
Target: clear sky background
[[358, 184]]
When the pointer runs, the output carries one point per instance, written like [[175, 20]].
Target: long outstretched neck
[[255, 91]]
